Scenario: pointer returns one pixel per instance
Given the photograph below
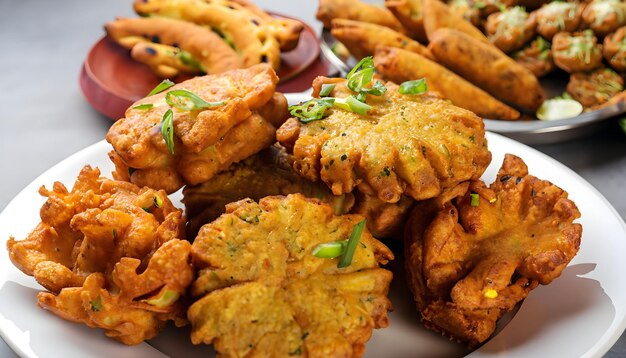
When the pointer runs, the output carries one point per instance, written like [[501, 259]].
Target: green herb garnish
[[326, 89], [330, 250], [312, 110], [167, 130], [167, 298], [413, 87], [353, 241], [360, 76], [474, 199], [352, 104], [96, 305], [158, 202], [143, 107], [165, 84], [188, 101]]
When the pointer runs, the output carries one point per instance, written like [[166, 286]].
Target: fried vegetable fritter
[[205, 141], [558, 16], [407, 144], [614, 49], [595, 88], [356, 10], [270, 173], [409, 13], [261, 291], [576, 52], [113, 256], [475, 252], [604, 16], [536, 57]]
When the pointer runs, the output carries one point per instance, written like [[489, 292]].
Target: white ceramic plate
[[580, 314]]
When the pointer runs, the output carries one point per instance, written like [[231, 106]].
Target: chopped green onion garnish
[[96, 305], [188, 101], [167, 129], [353, 242], [143, 107], [357, 106], [330, 250], [312, 110], [413, 87], [165, 84], [158, 202], [474, 199], [167, 298], [326, 89]]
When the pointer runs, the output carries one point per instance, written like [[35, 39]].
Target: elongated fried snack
[[614, 49], [407, 144], [576, 52], [356, 10], [249, 38], [604, 16], [477, 251], [536, 57], [362, 38], [113, 256], [558, 16], [467, 10], [595, 88], [205, 141], [164, 60], [437, 15], [409, 13], [190, 38], [398, 65], [488, 68], [511, 28], [260, 289]]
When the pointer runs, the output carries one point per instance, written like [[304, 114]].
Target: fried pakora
[[467, 10], [238, 117], [437, 15], [595, 88], [112, 255], [189, 42], [362, 38], [604, 16], [475, 252], [511, 28], [260, 288], [409, 13], [576, 52], [270, 173], [614, 49], [406, 144], [558, 16], [357, 10], [536, 57]]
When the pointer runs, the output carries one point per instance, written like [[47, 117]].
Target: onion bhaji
[[414, 145], [260, 289], [112, 255], [270, 173], [595, 88], [511, 28], [576, 52], [206, 140], [604, 16], [536, 57], [614, 49], [475, 252], [558, 16]]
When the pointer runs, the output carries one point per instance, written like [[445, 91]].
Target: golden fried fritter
[[357, 10], [595, 88], [407, 144], [260, 289], [113, 255], [558, 16], [206, 141], [604, 16], [269, 172], [409, 13], [576, 52], [511, 28], [476, 251], [192, 39], [614, 49], [536, 57]]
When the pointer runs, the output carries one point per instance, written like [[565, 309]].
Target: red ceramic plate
[[111, 80]]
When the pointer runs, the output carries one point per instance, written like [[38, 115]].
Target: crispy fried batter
[[604, 16], [469, 264], [576, 52], [269, 172], [595, 88], [188, 37], [510, 29], [362, 38], [536, 57], [406, 144], [205, 141], [614, 50], [261, 290], [438, 15], [409, 13], [113, 256], [558, 16], [358, 11]]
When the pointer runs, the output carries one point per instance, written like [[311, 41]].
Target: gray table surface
[[45, 117]]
